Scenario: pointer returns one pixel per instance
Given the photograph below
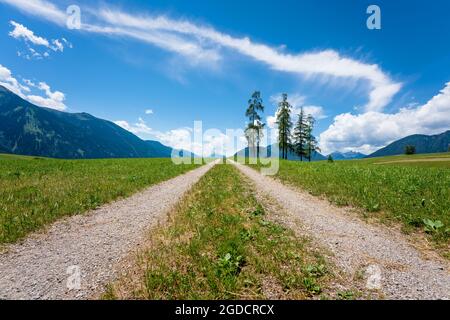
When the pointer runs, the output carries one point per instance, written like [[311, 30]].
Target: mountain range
[[27, 129], [423, 143], [347, 155]]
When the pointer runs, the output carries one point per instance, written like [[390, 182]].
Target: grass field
[[437, 160], [219, 244], [411, 189], [37, 191]]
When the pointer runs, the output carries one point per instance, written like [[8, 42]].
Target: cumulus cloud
[[139, 128], [180, 138], [203, 43], [21, 32], [370, 131], [207, 143], [212, 142], [8, 81], [149, 111], [52, 99]]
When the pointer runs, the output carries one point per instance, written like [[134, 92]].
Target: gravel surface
[[383, 258], [46, 265]]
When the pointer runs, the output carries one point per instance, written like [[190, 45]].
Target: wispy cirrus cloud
[[326, 63], [205, 44], [40, 8]]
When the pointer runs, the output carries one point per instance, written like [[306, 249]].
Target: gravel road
[[46, 265], [383, 258]]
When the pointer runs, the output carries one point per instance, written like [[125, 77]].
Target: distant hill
[[27, 129], [347, 155], [423, 143], [291, 155], [159, 150]]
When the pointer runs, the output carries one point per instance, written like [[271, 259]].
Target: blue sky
[[201, 60]]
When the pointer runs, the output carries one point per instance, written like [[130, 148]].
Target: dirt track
[[391, 265], [93, 244]]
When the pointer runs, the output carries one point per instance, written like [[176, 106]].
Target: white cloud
[[206, 143], [271, 121], [325, 63], [203, 43], [149, 111], [40, 8], [297, 101], [8, 81], [29, 82], [180, 138], [370, 131], [21, 32], [212, 142], [316, 111], [57, 45], [140, 128], [68, 44], [52, 99], [195, 53]]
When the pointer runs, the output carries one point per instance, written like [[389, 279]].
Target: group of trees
[[305, 143], [301, 141], [410, 149]]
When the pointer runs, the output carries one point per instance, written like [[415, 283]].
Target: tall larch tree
[[253, 132], [311, 142], [300, 135], [284, 126]]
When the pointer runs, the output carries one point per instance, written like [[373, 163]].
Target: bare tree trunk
[[257, 150]]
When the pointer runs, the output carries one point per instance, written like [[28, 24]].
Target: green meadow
[[219, 243], [414, 190], [37, 191], [432, 160]]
